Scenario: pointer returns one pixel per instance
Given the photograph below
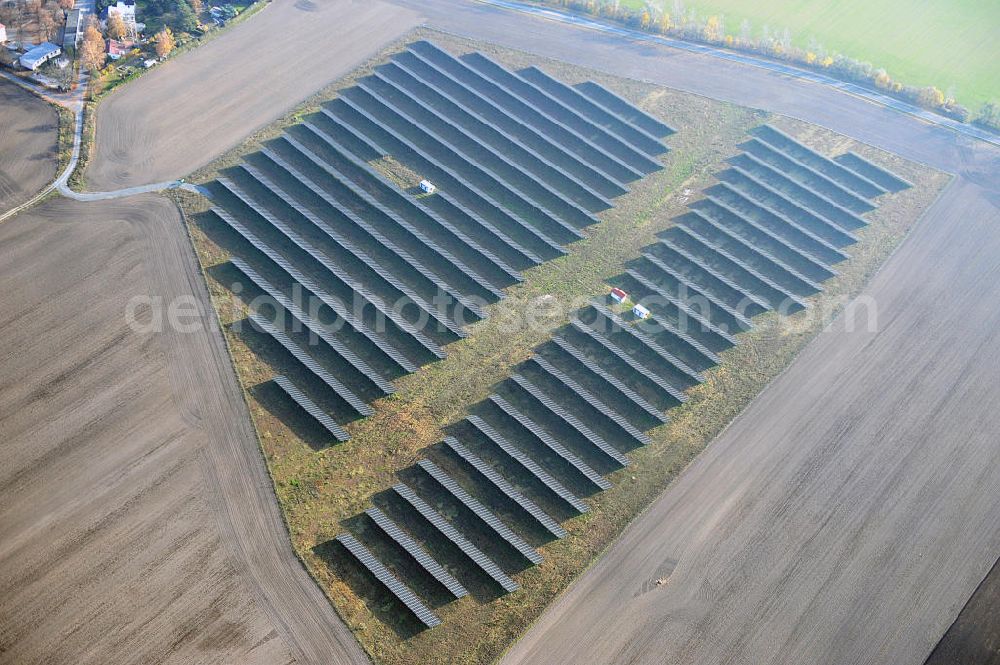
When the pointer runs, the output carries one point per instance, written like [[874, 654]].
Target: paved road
[[850, 512]]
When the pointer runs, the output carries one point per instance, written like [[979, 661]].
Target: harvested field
[[29, 135], [179, 117], [321, 490], [139, 523]]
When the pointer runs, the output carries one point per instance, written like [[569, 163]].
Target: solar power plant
[[339, 308], [766, 235], [313, 327], [562, 414], [529, 464], [609, 379], [307, 361], [592, 400], [546, 439], [878, 177]]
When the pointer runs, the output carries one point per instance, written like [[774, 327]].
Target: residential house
[[117, 49]]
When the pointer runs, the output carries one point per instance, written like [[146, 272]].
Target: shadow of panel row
[[526, 458], [358, 270]]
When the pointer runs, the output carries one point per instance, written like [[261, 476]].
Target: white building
[[641, 312], [126, 8], [3, 33], [39, 55]]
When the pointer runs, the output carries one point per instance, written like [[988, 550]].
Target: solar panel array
[[569, 415], [391, 582], [329, 212]]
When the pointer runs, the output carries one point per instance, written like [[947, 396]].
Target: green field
[[951, 44]]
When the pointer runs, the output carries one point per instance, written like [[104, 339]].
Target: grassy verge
[[67, 127], [320, 490], [77, 179]]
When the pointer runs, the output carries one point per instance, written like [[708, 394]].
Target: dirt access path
[[191, 109], [139, 522], [29, 144]]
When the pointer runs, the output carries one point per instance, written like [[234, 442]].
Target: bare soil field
[[29, 136], [188, 111], [821, 526], [139, 525]]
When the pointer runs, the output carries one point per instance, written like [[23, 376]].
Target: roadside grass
[[67, 128], [951, 45], [321, 490], [78, 178]]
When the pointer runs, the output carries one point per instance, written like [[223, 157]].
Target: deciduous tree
[[92, 55], [165, 42], [930, 97], [665, 23], [712, 32], [116, 26]]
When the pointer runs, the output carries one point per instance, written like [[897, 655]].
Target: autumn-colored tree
[[92, 55], [882, 79], [810, 58], [712, 31], [116, 26], [198, 7], [645, 20], [46, 24], [827, 61], [930, 97], [67, 5], [165, 42], [665, 23]]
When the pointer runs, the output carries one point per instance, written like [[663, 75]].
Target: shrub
[[989, 116], [930, 97]]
